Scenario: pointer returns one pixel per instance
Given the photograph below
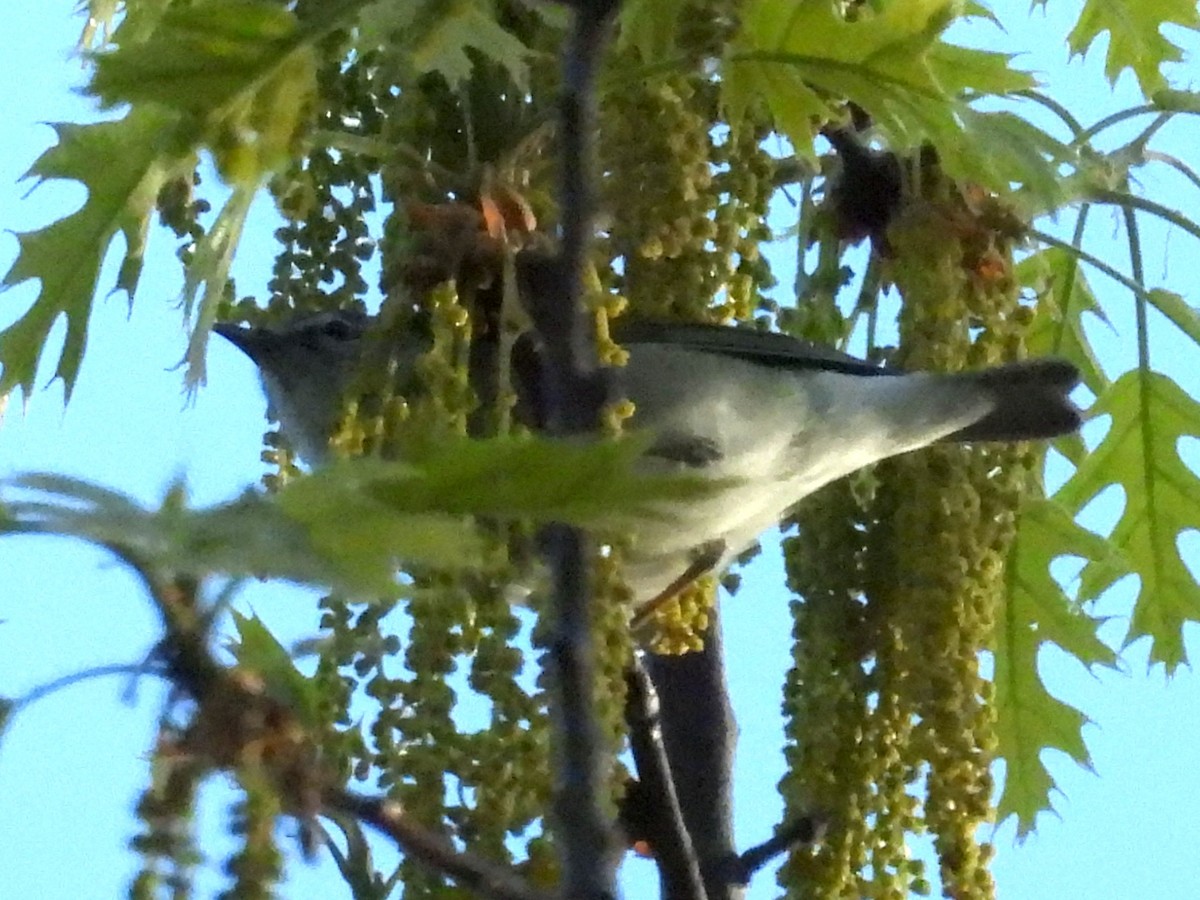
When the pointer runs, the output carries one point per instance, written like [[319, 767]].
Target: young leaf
[[1135, 39], [199, 58], [649, 26], [1056, 276], [795, 57], [122, 164], [1037, 611], [241, 72], [1150, 413], [593, 484], [349, 526], [209, 269], [250, 536], [468, 25], [1002, 150], [258, 651]]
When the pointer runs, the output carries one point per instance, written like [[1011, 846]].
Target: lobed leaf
[[1150, 414], [649, 26], [1064, 296], [593, 484], [469, 26], [198, 58], [432, 36], [241, 72], [803, 60], [351, 525], [1135, 39], [248, 537], [139, 155], [1037, 611]]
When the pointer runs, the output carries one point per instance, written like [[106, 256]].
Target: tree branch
[[574, 395], [699, 733], [418, 843], [191, 667], [804, 831], [661, 814]]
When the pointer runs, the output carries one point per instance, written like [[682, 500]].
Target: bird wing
[[766, 348]]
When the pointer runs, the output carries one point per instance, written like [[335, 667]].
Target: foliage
[[1037, 611], [455, 96], [1150, 415], [1135, 36], [348, 526], [65, 256]]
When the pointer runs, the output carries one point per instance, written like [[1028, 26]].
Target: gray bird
[[776, 417]]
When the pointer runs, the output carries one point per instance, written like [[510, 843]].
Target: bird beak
[[249, 340]]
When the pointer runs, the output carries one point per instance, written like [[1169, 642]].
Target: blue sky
[[71, 766]]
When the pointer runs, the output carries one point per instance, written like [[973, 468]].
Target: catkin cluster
[[899, 606]]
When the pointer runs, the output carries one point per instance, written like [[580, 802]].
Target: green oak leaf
[[1150, 414], [1174, 307], [1036, 612], [587, 484], [1173, 100], [248, 537], [649, 26], [469, 25], [242, 73], [1000, 149], [351, 525], [1135, 39], [198, 58], [1064, 295], [802, 60], [139, 154], [878, 61], [426, 36]]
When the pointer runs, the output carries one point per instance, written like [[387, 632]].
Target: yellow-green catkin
[[256, 867], [679, 625], [490, 780], [166, 842], [686, 209], [922, 568], [954, 269], [826, 696]]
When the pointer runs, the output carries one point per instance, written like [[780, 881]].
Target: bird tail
[[1029, 401]]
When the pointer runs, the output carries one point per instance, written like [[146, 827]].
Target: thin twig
[[669, 838], [804, 831], [481, 876], [50, 687], [710, 554]]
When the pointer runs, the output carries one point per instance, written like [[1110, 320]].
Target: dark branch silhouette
[[574, 397], [699, 733], [803, 832], [472, 872], [659, 817], [185, 652]]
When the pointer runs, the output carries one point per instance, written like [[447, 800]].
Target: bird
[[768, 417]]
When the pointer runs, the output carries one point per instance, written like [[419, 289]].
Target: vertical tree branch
[[669, 839], [699, 733], [574, 396]]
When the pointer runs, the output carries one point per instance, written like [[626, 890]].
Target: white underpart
[[781, 435]]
